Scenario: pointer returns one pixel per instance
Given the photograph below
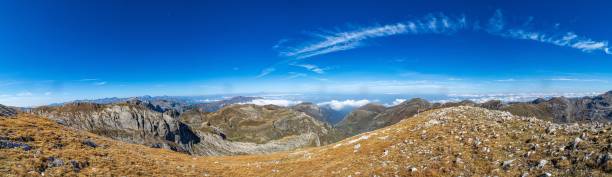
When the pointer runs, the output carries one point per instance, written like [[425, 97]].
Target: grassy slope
[[436, 143]]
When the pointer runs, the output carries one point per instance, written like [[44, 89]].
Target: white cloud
[[24, 94], [278, 102], [88, 79], [511, 97], [313, 68], [496, 22], [396, 102], [293, 75], [438, 24], [100, 83], [345, 40], [577, 80], [48, 93], [506, 80], [567, 39], [339, 105], [265, 72]]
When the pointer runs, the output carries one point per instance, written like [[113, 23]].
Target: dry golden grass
[[432, 149]]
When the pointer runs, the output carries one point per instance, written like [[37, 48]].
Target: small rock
[[542, 163], [78, 166], [61, 122], [6, 144], [507, 164], [90, 143], [458, 160], [477, 142], [546, 174], [602, 160], [54, 162], [574, 144], [356, 147]]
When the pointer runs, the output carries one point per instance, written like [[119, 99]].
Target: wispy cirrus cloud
[[24, 94], [577, 79], [505, 80], [346, 40], [293, 75], [497, 26], [329, 42], [87, 80], [311, 67], [266, 71], [100, 83]]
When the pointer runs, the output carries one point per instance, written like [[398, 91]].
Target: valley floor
[[457, 141]]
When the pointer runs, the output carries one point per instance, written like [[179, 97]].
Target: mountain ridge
[[454, 141]]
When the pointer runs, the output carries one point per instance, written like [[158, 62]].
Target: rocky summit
[[455, 141]]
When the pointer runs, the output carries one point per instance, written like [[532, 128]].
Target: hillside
[[235, 129], [372, 116], [456, 141], [250, 129], [6, 111], [322, 113], [133, 122]]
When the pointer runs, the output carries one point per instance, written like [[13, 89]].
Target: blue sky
[[52, 51]]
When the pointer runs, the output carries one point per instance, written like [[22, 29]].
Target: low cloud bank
[[278, 102], [339, 105]]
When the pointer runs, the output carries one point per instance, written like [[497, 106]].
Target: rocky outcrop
[[7, 111], [246, 129], [134, 122]]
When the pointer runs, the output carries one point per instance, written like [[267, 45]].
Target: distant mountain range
[[557, 109], [232, 126]]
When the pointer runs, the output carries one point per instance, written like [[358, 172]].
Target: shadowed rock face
[[134, 122], [6, 111]]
